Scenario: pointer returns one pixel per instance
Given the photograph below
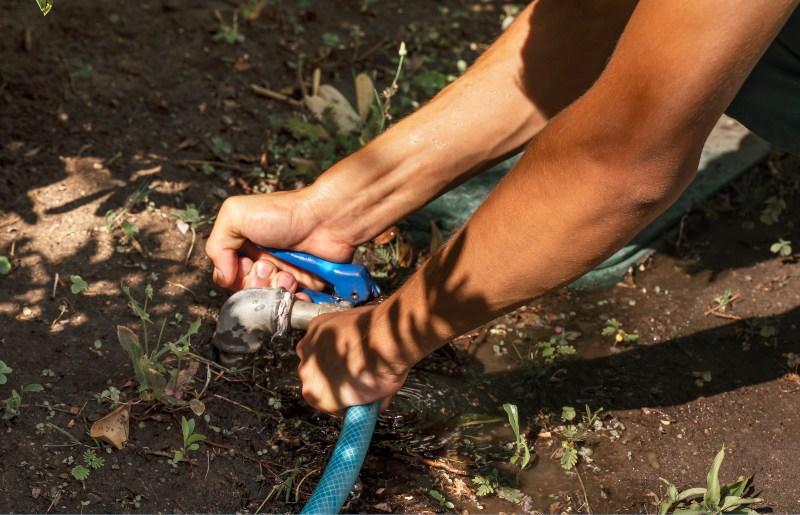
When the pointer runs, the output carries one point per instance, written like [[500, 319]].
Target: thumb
[[221, 247]]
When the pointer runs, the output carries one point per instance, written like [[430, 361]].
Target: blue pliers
[[351, 283]]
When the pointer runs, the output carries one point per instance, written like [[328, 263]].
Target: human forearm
[[482, 116], [589, 182]]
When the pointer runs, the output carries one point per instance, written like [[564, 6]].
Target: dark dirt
[[98, 101]]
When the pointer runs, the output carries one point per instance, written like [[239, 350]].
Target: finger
[[286, 280], [222, 244], [303, 296], [243, 269], [303, 277], [261, 274]]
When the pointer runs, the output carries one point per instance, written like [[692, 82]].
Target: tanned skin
[[614, 101]]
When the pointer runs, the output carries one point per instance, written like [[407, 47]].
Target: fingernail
[[261, 270], [284, 280]]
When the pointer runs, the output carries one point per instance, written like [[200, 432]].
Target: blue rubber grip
[[351, 283], [342, 471]]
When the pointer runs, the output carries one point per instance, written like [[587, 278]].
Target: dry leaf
[[387, 236], [71, 423], [405, 253], [197, 407], [256, 10], [365, 95], [437, 238], [114, 427], [792, 377], [315, 78], [331, 100]]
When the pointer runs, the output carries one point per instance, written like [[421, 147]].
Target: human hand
[[345, 361], [286, 220]]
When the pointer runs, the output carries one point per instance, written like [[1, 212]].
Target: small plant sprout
[[574, 434], [489, 484], [160, 372], [13, 404], [556, 347], [92, 460], [522, 453], [78, 285], [80, 473], [5, 370], [221, 147], [614, 328], [191, 440], [782, 248], [714, 498], [724, 301], [437, 496], [702, 377], [228, 33], [5, 265], [45, 6], [773, 209], [191, 219]]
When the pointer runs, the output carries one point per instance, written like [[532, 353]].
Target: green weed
[[160, 372], [489, 484], [574, 434], [114, 218], [45, 6], [773, 209], [555, 347], [614, 328], [441, 499], [228, 33], [723, 301], [5, 265], [191, 440], [522, 453], [714, 498], [77, 284], [190, 218], [13, 404], [5, 371], [782, 248]]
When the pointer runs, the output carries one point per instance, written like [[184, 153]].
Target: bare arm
[[495, 108], [599, 172], [595, 175]]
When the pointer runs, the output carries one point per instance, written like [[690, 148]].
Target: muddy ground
[[127, 108]]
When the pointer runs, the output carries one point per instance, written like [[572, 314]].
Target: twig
[[208, 380], [274, 95], [585, 497], [220, 164], [437, 464], [240, 405], [718, 309], [300, 483], [67, 434], [165, 454], [261, 461], [182, 287], [191, 245], [55, 285], [729, 316]]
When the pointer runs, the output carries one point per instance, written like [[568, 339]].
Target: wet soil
[[100, 101]]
